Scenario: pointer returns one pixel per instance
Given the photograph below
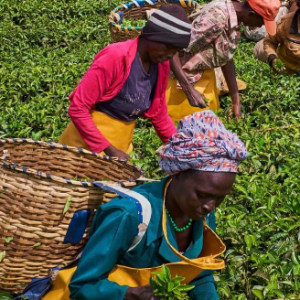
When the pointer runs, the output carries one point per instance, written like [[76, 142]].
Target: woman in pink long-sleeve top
[[127, 80]]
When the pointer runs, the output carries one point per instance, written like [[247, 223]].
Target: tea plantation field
[[46, 47]]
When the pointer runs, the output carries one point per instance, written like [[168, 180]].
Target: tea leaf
[[8, 239], [164, 287], [2, 255], [67, 205], [258, 294]]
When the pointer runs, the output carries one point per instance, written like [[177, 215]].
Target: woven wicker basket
[[37, 179], [136, 10]]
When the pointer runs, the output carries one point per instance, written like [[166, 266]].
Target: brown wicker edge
[[12, 165]]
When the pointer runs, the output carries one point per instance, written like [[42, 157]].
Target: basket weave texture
[[37, 179], [136, 10]]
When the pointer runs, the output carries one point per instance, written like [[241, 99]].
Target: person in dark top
[[127, 80]]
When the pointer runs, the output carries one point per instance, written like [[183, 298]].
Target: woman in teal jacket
[[201, 159]]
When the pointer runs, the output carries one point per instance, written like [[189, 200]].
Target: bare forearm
[[194, 97], [178, 72], [229, 74]]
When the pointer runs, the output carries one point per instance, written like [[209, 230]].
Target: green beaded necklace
[[179, 229]]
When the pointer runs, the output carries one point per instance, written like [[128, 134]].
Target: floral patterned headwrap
[[202, 143]]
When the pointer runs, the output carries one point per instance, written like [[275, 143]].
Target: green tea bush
[[259, 220], [45, 49]]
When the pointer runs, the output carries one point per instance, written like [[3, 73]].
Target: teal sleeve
[[205, 289], [112, 233]]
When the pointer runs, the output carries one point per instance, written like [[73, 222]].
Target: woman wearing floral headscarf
[[201, 160]]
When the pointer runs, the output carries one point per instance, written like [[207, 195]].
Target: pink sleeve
[[83, 99], [90, 91], [163, 124]]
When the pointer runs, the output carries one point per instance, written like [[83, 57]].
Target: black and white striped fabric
[[169, 25]]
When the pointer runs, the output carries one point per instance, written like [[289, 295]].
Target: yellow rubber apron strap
[[203, 263], [183, 4]]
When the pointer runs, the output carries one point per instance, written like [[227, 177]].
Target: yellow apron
[[224, 90], [188, 268], [179, 106], [118, 133]]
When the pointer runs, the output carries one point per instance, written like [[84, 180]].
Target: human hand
[[277, 66], [114, 152], [140, 293], [236, 107], [237, 110], [195, 98]]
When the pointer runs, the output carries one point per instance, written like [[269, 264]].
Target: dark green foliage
[[259, 220], [47, 46], [5, 296]]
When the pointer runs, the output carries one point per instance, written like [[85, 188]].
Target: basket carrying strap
[[77, 226], [143, 207], [80, 218]]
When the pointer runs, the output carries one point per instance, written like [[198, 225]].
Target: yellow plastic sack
[[222, 86], [178, 104], [118, 133]]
